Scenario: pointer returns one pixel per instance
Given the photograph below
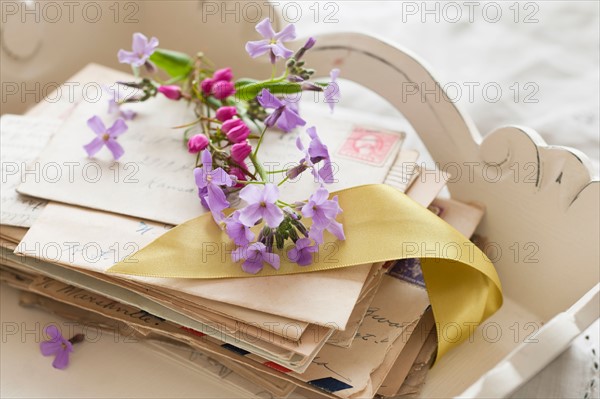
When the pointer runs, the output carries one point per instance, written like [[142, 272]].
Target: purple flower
[[235, 130], [237, 231], [197, 143], [323, 212], [317, 152], [302, 252], [105, 136], [255, 254], [225, 113], [172, 92], [321, 209], [272, 42], [261, 204], [284, 115], [332, 91], [114, 103], [58, 346], [142, 50], [209, 183]]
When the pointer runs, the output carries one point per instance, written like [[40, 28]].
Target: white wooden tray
[[541, 224]]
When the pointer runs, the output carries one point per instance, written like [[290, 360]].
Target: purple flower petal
[[316, 234], [326, 172], [257, 48], [93, 146], [272, 259], [320, 196], [251, 194], [286, 34], [272, 215], [250, 214], [206, 158], [127, 57], [217, 201], [200, 177], [281, 51], [252, 266], [128, 114], [221, 178], [237, 231], [115, 148], [270, 193], [268, 100], [152, 44], [265, 29], [61, 361], [337, 229], [139, 43], [118, 128], [96, 124], [334, 74], [50, 347], [289, 120]]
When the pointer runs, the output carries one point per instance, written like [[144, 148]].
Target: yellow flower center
[[105, 136]]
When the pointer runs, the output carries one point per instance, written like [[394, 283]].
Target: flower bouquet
[[233, 117]]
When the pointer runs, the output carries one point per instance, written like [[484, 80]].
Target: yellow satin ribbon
[[381, 224]]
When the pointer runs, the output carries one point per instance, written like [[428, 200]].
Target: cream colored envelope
[[154, 179]]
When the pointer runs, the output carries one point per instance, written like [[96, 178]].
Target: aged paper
[[22, 139]]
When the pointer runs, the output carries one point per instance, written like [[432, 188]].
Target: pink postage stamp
[[370, 145]]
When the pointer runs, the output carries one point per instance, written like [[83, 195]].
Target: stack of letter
[[351, 332]]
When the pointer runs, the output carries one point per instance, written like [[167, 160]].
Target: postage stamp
[[371, 146]]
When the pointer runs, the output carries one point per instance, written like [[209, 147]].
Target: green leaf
[[174, 63], [250, 90]]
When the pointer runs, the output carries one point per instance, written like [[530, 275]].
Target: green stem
[[260, 141], [277, 171], [249, 182], [258, 167], [283, 181]]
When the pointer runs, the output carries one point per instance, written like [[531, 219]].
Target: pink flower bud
[[222, 89], [226, 113], [240, 151], [223, 74], [197, 143], [235, 130], [172, 92], [206, 85]]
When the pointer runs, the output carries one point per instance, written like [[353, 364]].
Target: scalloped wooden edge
[[546, 200]]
